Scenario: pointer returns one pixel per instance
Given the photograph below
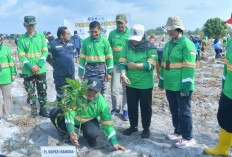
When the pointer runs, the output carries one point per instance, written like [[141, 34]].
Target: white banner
[[81, 24]]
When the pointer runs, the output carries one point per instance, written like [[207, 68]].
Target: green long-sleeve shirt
[[227, 73], [32, 51], [94, 51], [7, 64], [117, 40], [98, 108], [182, 57], [139, 78]]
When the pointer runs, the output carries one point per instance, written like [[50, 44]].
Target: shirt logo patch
[[27, 43], [153, 54], [69, 44], [193, 52]]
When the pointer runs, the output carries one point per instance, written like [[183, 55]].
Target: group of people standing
[[126, 56]]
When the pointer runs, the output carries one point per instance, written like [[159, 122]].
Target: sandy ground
[[23, 136]]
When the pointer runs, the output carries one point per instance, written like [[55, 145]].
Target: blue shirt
[[217, 45], [76, 40], [63, 54], [197, 46]]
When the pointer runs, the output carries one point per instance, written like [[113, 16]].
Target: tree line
[[213, 27]]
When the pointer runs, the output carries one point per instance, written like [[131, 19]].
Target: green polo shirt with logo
[[117, 40], [95, 51], [32, 51], [139, 78], [182, 57], [7, 65]]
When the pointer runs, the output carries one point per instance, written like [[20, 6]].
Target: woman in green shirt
[[137, 62], [177, 78]]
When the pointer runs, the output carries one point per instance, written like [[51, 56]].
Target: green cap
[[29, 20], [121, 18]]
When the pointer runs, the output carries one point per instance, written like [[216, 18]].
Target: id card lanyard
[[170, 48]]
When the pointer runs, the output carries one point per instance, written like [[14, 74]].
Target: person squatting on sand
[[33, 51], [138, 60], [89, 120], [7, 76], [224, 115], [177, 78]]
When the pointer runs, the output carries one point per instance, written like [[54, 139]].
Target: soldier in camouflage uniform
[[96, 56], [32, 50]]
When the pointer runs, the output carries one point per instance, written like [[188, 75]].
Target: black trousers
[[90, 129], [224, 114], [144, 96]]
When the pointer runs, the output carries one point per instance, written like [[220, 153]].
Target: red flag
[[230, 20]]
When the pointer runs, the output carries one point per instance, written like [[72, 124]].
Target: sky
[[50, 14]]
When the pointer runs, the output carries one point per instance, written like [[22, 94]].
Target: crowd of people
[[127, 59]]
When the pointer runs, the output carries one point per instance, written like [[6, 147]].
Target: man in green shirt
[[117, 38], [96, 56], [32, 50], [89, 120]]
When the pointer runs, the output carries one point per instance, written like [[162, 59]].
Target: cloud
[[5, 7], [150, 13]]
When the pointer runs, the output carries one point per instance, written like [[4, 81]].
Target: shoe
[[185, 143], [146, 133], [125, 115], [92, 142], [114, 112], [223, 146], [130, 130], [43, 112], [174, 136]]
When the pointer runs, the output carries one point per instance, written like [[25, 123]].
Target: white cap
[[136, 32]]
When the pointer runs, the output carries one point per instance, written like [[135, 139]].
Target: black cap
[[96, 84]]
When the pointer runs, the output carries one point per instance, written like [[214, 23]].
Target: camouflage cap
[[29, 20], [121, 18]]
